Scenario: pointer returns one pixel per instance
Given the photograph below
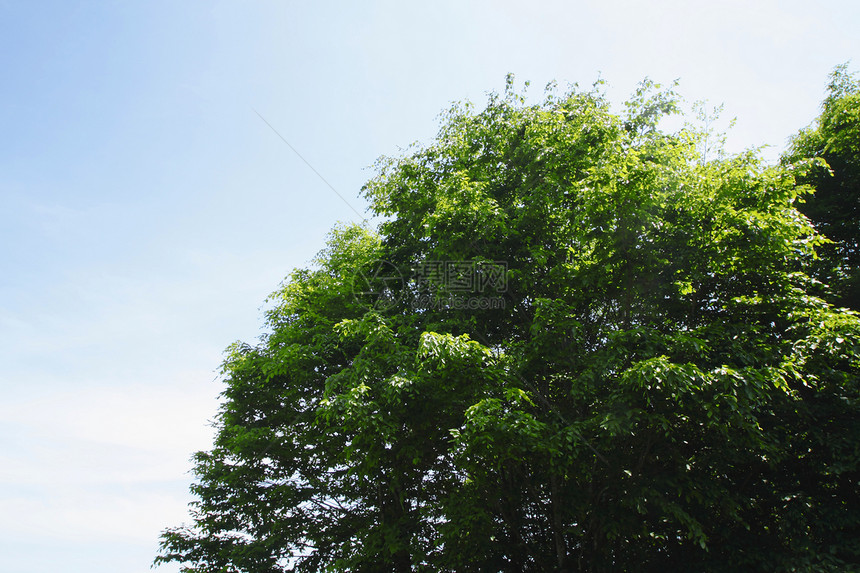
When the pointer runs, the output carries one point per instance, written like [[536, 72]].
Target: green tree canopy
[[835, 207], [572, 345]]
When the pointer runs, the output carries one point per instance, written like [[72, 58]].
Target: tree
[[834, 209], [571, 345]]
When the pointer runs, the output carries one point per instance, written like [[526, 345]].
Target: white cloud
[[82, 514], [100, 464], [158, 419]]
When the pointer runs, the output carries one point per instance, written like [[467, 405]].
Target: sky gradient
[[148, 210]]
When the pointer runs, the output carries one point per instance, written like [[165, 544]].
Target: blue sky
[[147, 210]]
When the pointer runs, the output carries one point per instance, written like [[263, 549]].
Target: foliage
[[834, 140], [659, 391]]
